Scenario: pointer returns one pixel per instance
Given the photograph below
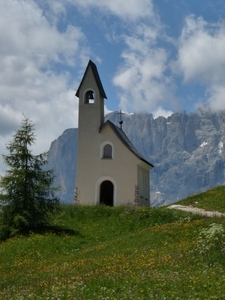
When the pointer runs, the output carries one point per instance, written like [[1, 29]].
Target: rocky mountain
[[187, 151], [62, 158]]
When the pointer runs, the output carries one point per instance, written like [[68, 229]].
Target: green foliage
[[121, 219], [115, 253], [211, 243], [27, 196], [100, 252]]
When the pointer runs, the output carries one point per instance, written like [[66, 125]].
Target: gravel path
[[196, 210]]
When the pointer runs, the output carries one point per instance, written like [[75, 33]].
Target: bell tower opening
[[106, 193], [89, 97]]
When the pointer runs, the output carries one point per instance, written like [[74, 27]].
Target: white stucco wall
[[121, 171]]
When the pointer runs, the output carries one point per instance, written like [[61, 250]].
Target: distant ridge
[[187, 151]]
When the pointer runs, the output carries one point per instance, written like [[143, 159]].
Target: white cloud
[[30, 35], [131, 10], [201, 54], [9, 119], [141, 79], [201, 57], [160, 112], [31, 49], [216, 99], [106, 110]]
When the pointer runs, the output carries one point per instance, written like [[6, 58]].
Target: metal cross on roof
[[121, 121]]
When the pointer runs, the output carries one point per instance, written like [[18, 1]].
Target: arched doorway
[[106, 193]]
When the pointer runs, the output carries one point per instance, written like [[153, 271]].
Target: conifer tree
[[26, 194]]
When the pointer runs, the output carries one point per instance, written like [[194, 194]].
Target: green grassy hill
[[213, 199], [120, 253]]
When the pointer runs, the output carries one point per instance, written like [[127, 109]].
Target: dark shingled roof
[[97, 79], [124, 139]]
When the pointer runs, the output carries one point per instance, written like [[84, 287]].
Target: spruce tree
[[26, 194]]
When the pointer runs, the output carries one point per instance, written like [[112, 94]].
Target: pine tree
[[26, 194]]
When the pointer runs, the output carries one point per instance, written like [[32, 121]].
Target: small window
[[107, 151], [89, 97]]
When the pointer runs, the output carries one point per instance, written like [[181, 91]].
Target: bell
[[91, 96]]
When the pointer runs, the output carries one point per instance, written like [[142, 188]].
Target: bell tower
[[91, 99], [91, 117]]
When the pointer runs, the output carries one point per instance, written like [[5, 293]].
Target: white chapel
[[110, 170]]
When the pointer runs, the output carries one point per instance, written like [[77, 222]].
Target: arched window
[[89, 97], [107, 151]]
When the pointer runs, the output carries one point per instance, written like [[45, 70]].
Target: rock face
[[62, 158], [187, 151]]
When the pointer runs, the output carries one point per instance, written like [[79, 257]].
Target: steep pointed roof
[[97, 79], [124, 139]]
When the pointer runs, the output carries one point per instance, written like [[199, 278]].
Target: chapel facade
[[110, 170]]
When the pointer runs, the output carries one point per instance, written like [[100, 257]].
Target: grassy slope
[[213, 199], [118, 253]]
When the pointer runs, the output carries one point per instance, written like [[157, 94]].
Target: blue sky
[[155, 56]]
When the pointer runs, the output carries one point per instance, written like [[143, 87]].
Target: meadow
[[99, 252]]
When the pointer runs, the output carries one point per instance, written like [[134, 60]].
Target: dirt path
[[196, 210]]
